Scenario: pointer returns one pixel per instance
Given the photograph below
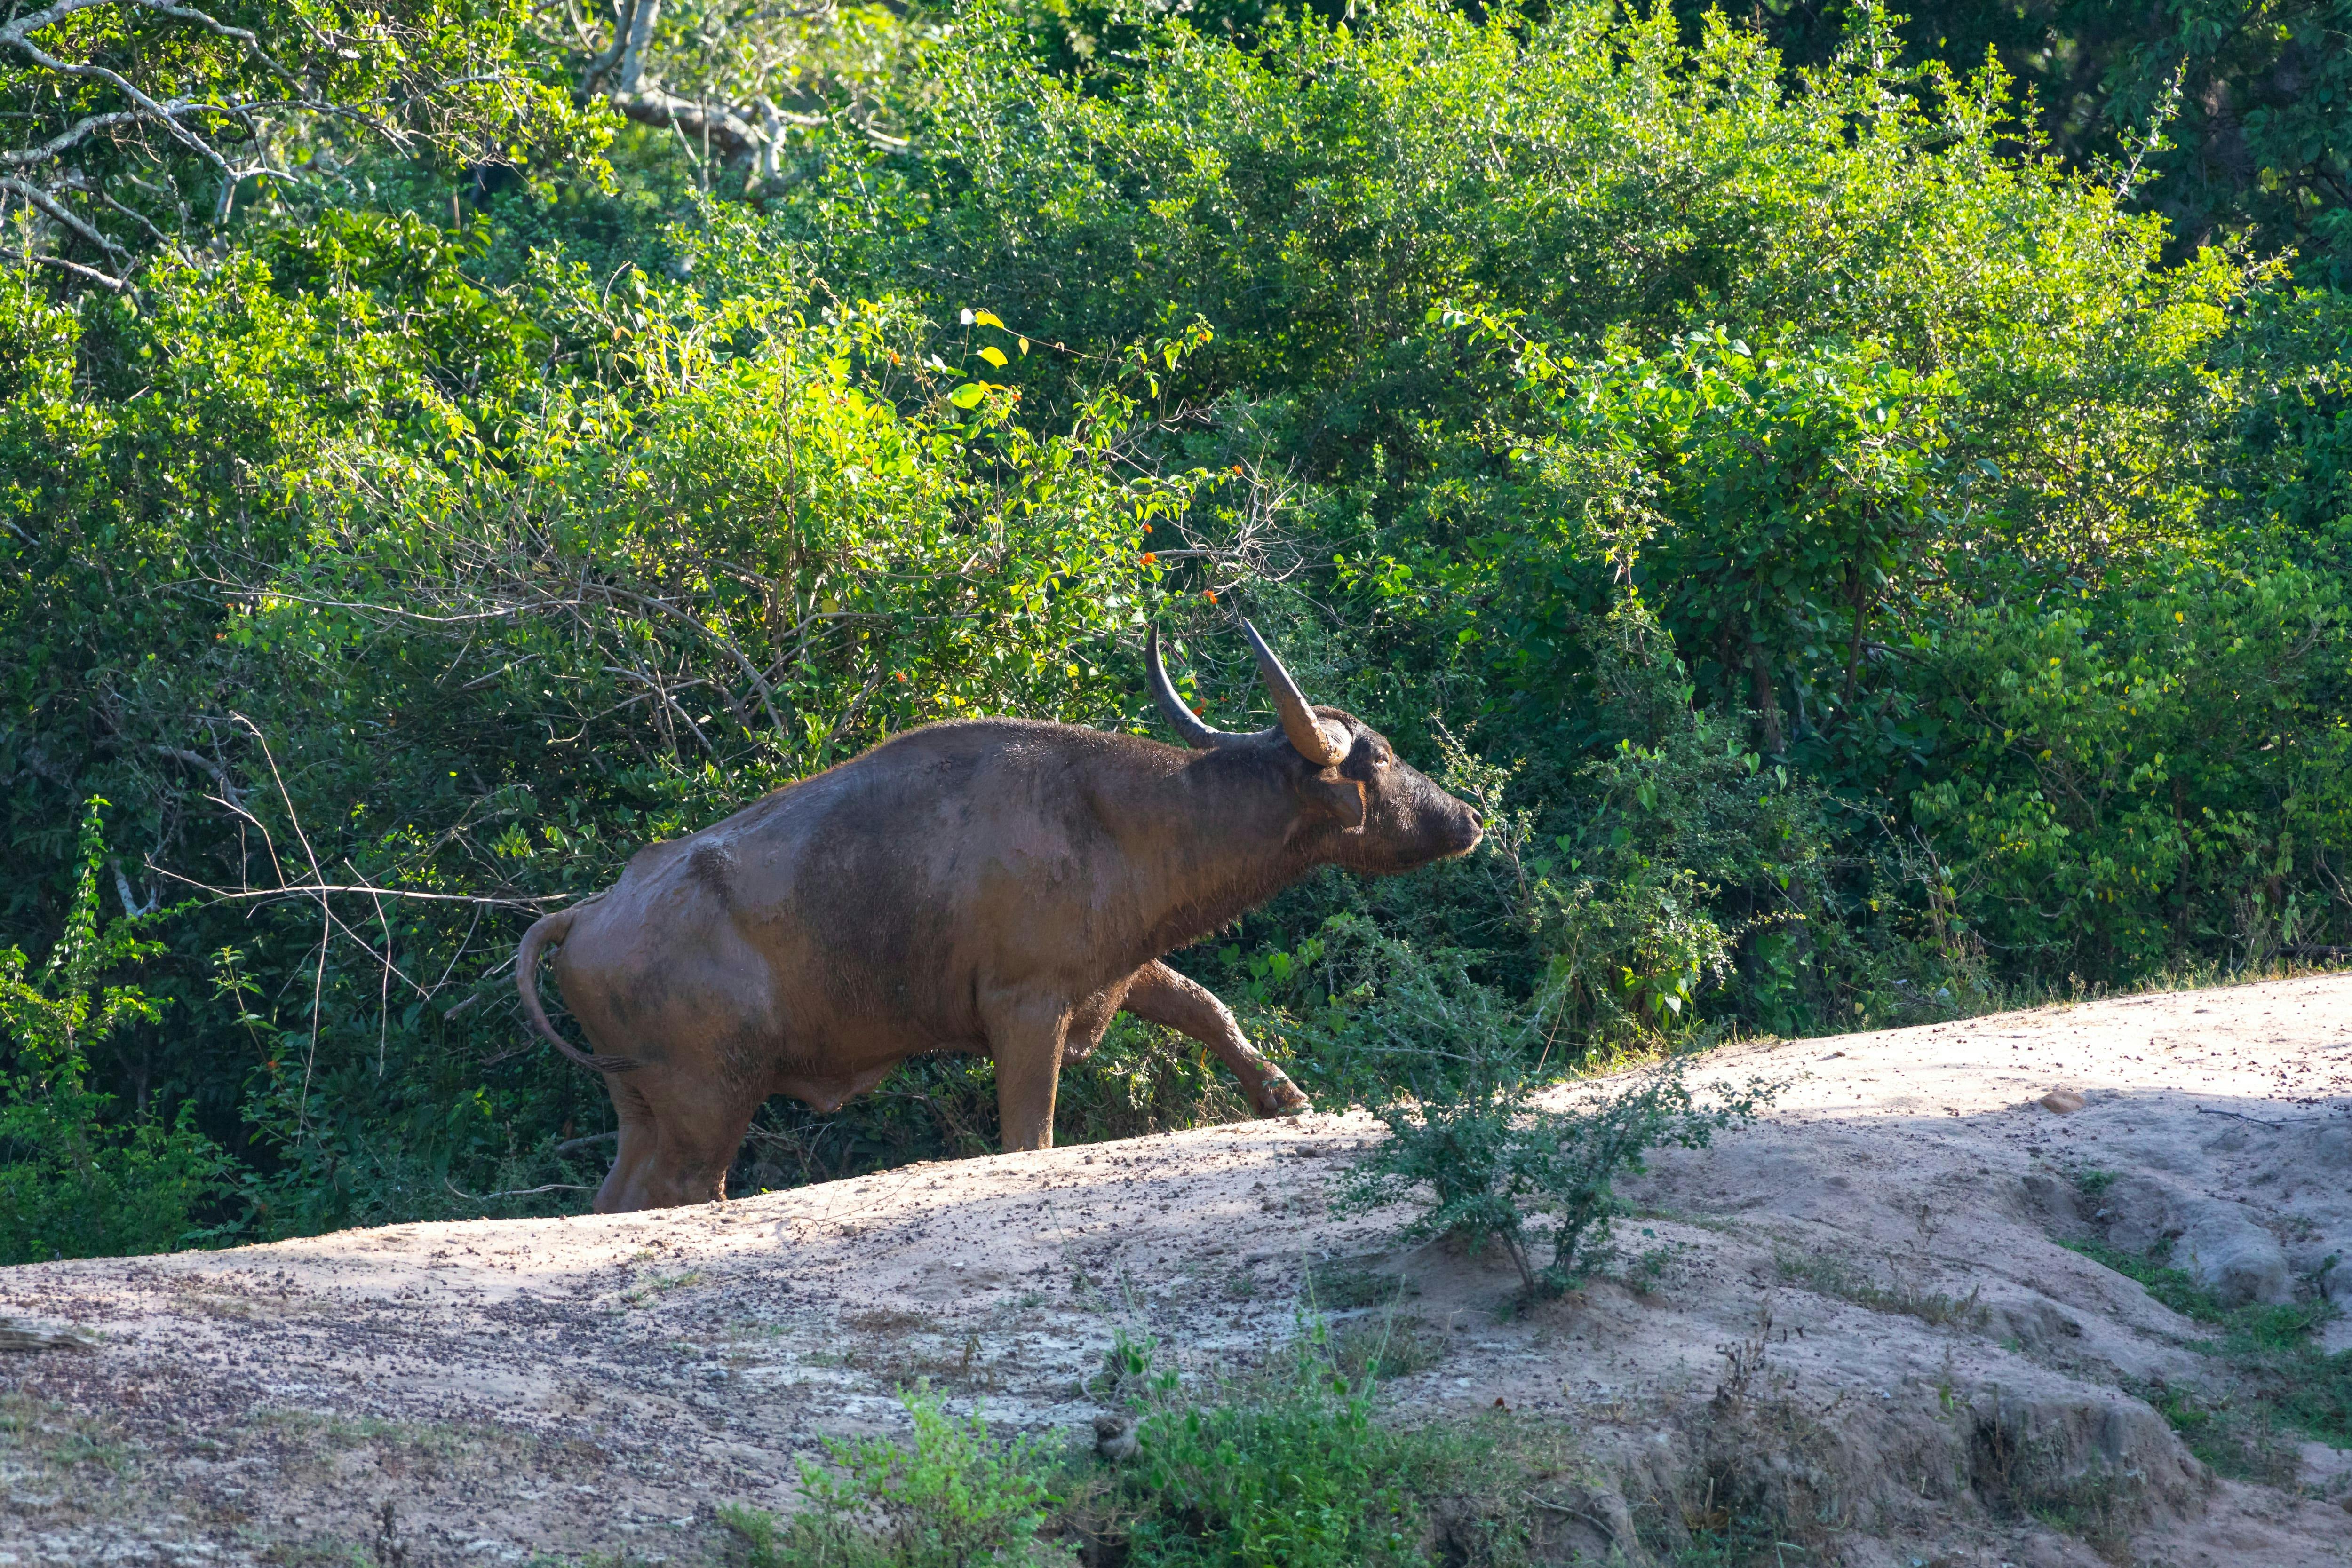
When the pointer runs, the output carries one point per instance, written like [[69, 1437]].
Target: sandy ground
[[1858, 1307]]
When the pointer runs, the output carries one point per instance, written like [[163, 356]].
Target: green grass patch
[[2273, 1382], [1288, 1468]]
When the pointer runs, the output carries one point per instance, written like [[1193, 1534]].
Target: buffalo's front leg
[[1024, 1036], [1161, 996]]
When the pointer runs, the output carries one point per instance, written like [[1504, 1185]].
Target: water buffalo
[[992, 885]]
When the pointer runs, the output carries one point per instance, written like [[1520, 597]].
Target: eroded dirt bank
[[1857, 1314]]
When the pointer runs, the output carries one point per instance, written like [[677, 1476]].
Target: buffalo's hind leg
[[1160, 994], [701, 1137], [676, 1142], [623, 1184]]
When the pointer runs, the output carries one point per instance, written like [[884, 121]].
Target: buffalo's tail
[[550, 930]]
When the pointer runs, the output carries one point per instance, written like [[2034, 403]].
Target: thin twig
[[313, 890], [517, 1192], [326, 925], [2257, 1121]]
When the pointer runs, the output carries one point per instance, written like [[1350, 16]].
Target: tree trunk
[[1767, 703]]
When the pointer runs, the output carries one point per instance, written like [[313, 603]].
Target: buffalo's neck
[[1213, 840]]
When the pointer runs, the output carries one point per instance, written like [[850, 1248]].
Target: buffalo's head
[[1378, 813]]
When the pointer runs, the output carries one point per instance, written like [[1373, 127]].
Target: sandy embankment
[[599, 1386]]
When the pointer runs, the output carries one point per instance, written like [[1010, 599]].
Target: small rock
[[1114, 1437], [2064, 1102]]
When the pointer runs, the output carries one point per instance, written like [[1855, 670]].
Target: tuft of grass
[[2249, 1328], [1291, 1467], [660, 1285], [56, 1439], [1349, 1284], [329, 1551], [1826, 1275], [1391, 1345]]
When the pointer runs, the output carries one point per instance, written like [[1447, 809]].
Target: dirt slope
[[1857, 1313]]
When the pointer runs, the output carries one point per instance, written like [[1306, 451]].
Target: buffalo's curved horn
[[1181, 719], [1314, 739]]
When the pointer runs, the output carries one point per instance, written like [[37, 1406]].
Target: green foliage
[[2272, 1380], [1288, 1469], [71, 1186], [954, 1497], [1863, 568], [2151, 762], [139, 129], [2252, 145], [1492, 1162], [1298, 1475]]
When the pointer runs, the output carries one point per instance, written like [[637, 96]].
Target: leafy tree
[[2227, 119], [136, 127]]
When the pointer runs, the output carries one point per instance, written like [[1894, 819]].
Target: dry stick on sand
[[517, 1192]]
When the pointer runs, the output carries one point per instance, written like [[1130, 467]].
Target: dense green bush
[[1865, 568], [74, 1181]]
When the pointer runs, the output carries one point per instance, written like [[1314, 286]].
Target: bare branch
[[204, 764], [651, 106], [88, 274], [64, 219], [636, 32], [601, 63], [322, 889]]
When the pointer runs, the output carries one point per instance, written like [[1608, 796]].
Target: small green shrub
[[1290, 1469], [954, 1498], [71, 1186], [1295, 1474], [1286, 1470], [1492, 1163], [2091, 1181], [1393, 1344]]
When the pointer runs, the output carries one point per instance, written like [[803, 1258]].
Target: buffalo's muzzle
[[1464, 832]]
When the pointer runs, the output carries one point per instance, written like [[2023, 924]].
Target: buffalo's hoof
[[1281, 1097]]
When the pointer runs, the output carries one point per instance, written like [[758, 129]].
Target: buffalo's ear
[[1337, 796]]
